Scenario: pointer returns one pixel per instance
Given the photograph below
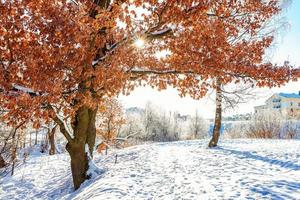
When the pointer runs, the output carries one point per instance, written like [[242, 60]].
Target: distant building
[[287, 105]]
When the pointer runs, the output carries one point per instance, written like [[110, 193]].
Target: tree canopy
[[68, 52]]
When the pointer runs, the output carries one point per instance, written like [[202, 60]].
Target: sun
[[139, 43]]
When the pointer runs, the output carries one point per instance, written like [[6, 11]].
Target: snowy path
[[239, 169], [188, 170]]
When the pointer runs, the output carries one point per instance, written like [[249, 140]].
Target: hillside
[[238, 169]]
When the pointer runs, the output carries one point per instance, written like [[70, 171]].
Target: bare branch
[[62, 125]]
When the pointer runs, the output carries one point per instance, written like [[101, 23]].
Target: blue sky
[[287, 48]]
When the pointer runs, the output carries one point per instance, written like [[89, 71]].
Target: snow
[[93, 170], [238, 169], [23, 89], [162, 31], [41, 177]]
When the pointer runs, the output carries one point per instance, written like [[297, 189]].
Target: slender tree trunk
[[2, 162], [36, 137], [218, 116], [13, 153], [45, 143], [51, 136], [14, 157]]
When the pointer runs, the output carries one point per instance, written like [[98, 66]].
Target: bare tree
[[197, 127], [132, 129], [228, 98], [152, 124]]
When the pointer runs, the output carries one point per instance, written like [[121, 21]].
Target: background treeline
[[118, 127], [156, 124]]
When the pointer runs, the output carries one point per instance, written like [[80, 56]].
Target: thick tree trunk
[[84, 130], [84, 127], [79, 163], [91, 132], [218, 116], [51, 136], [2, 162]]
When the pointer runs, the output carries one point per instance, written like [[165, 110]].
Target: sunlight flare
[[139, 43]]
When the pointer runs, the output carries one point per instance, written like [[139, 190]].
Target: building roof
[[287, 95]]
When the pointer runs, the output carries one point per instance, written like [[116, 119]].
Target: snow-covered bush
[[267, 125], [272, 125], [291, 129], [236, 130]]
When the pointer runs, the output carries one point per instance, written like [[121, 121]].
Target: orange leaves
[[39, 53], [110, 119], [73, 55]]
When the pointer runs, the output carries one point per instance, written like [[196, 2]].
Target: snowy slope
[[238, 169]]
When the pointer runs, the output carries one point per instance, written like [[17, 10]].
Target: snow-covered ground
[[238, 169]]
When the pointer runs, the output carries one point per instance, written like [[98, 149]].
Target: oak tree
[[60, 59]]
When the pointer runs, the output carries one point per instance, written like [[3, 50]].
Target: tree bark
[[218, 116], [13, 158], [91, 132], [51, 136], [79, 163]]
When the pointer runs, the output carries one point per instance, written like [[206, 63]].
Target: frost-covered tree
[[197, 127]]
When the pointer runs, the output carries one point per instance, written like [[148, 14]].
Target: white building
[[287, 105]]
